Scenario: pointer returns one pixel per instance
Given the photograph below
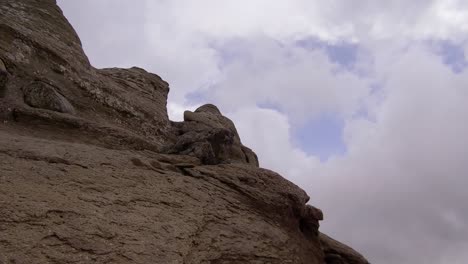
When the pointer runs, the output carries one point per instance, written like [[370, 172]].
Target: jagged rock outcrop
[[211, 137], [93, 171]]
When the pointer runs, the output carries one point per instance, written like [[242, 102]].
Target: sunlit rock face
[[93, 171]]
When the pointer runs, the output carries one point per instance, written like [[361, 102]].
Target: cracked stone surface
[[93, 171]]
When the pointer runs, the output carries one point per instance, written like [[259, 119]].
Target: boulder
[[209, 116], [211, 137], [42, 95]]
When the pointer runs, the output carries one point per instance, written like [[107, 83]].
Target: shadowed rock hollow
[[93, 171]]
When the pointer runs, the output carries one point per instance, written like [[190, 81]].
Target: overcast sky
[[362, 103]]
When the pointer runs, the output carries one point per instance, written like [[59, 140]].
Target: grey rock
[[42, 95]]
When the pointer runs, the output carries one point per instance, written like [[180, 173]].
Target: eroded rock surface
[[93, 171]]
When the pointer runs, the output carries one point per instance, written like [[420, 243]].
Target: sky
[[363, 104]]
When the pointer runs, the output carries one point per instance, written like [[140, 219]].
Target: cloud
[[303, 83], [404, 172]]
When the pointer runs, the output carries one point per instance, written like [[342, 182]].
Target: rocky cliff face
[[93, 171]]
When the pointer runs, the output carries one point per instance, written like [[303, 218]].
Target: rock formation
[[93, 171], [211, 137]]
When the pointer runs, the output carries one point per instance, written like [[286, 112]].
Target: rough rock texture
[[93, 171]]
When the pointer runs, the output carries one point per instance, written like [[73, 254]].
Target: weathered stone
[[210, 116], [42, 95]]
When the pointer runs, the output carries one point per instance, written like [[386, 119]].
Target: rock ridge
[[93, 171]]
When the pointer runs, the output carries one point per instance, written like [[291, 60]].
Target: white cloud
[[230, 18], [302, 83], [330, 21], [406, 171]]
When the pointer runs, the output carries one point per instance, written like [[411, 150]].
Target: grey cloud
[[403, 190]]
